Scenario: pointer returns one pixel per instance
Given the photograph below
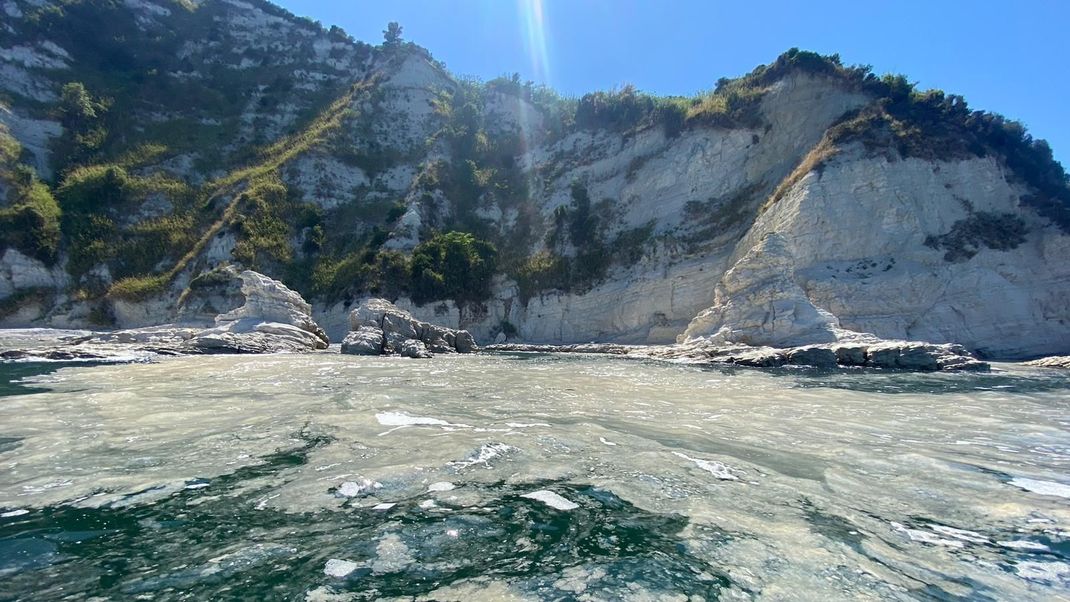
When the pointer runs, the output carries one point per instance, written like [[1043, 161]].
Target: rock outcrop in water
[[378, 327], [273, 319], [1054, 361], [872, 353]]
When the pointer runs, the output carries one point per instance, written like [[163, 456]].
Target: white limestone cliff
[[851, 248]]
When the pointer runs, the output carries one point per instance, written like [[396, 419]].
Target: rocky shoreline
[[275, 319], [897, 355]]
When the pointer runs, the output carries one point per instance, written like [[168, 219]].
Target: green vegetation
[[998, 231], [392, 35], [578, 255], [84, 132], [97, 199], [30, 221], [263, 233], [454, 265]]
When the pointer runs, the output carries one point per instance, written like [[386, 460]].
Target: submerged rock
[[377, 326]]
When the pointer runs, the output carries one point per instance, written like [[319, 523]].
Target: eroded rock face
[[758, 302], [273, 318], [377, 326]]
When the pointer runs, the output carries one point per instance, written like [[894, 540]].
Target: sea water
[[528, 476]]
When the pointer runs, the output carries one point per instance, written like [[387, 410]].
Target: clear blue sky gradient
[[1010, 56]]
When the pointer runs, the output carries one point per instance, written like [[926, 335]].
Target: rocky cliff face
[[745, 216]]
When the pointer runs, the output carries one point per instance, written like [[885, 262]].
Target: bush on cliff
[[454, 265]]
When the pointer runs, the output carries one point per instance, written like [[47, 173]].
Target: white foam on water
[[484, 455], [1024, 544], [963, 534], [927, 537], [403, 419], [551, 499], [605, 442], [1051, 572], [1042, 487], [384, 506], [339, 568], [358, 488], [13, 513], [717, 469]]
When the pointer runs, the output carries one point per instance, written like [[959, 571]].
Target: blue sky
[[1009, 57]]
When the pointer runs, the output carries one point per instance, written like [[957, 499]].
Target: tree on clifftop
[[392, 35]]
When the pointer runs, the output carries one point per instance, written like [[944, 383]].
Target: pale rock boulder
[[379, 326], [759, 303], [366, 340], [273, 318], [210, 294], [414, 349], [20, 272]]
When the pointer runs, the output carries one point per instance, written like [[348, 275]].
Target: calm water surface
[[329, 477]]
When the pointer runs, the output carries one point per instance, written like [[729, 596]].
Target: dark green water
[[226, 548], [222, 481]]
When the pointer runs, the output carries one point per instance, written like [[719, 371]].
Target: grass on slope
[[259, 173]]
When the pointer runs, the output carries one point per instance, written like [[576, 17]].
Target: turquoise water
[[327, 477]]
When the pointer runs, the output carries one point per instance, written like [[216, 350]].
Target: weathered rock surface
[[758, 302], [896, 355], [273, 319], [366, 340], [1054, 361], [377, 326]]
